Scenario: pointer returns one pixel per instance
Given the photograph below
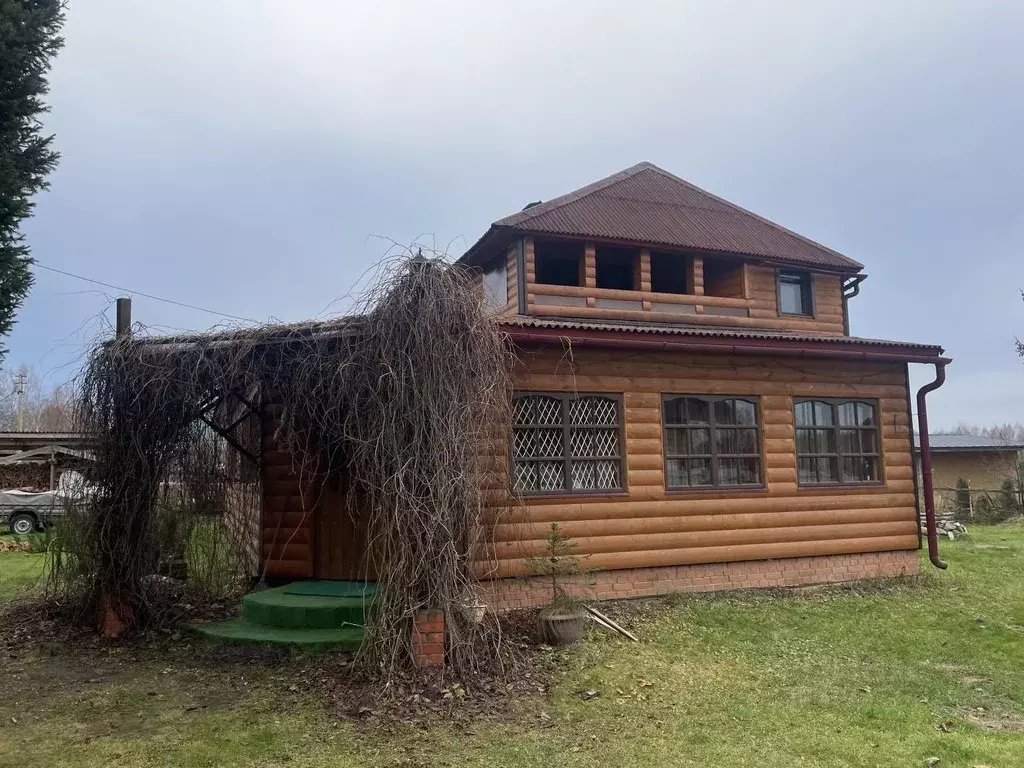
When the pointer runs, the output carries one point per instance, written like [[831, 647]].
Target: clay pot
[[562, 625]]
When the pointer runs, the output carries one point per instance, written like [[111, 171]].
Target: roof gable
[[646, 204]]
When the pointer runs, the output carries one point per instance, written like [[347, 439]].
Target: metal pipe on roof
[[926, 465]]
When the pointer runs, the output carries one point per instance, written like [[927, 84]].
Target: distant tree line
[[44, 408], [1010, 433]]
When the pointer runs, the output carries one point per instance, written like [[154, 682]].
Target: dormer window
[[616, 268], [795, 293]]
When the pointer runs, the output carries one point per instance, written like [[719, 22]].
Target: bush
[[1009, 498], [42, 541], [989, 510]]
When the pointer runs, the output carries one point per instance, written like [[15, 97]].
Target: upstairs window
[[669, 272], [616, 268], [795, 293], [558, 263], [566, 443], [711, 441], [836, 442]]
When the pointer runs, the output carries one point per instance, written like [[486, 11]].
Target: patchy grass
[[881, 675], [21, 574]]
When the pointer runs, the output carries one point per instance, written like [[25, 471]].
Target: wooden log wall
[[828, 301], [751, 288], [289, 501], [729, 283], [646, 525], [512, 275]]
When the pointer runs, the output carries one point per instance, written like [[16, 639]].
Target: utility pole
[[19, 383]]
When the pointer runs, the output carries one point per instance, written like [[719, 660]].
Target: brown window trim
[[566, 458], [836, 428], [713, 456], [810, 297]]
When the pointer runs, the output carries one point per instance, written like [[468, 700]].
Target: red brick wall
[[428, 639], [505, 594]]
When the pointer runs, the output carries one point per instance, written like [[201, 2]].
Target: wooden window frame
[[807, 291], [714, 456], [566, 459], [839, 455]]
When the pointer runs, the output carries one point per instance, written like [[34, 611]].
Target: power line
[[146, 295]]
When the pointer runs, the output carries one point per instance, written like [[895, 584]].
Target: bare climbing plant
[[403, 401]]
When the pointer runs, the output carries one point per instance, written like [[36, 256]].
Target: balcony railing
[[570, 299]]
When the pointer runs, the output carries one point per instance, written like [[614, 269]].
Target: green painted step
[[330, 588], [278, 608], [245, 632], [306, 614]]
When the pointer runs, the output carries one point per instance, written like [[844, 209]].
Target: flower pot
[[562, 625], [474, 612]]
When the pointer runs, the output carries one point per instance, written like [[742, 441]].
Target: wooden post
[[115, 614], [123, 324], [697, 276]]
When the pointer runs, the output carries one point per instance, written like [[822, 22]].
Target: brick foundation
[[428, 638], [506, 594]]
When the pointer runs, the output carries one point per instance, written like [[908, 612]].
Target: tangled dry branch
[[399, 404]]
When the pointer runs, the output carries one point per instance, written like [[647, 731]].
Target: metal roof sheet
[[646, 204], [679, 329], [955, 443]]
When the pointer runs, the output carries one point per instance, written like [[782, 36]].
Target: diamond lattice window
[[711, 441], [566, 443]]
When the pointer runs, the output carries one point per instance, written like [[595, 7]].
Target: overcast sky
[[249, 156]]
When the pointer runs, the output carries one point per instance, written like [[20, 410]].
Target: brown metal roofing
[[654, 329], [645, 204]]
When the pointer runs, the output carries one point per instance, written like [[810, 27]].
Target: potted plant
[[564, 619]]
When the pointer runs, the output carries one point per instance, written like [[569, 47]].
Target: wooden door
[[341, 536]]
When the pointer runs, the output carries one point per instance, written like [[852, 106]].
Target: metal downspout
[[848, 290], [926, 465]]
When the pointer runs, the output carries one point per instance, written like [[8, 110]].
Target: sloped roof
[[958, 443], [767, 339], [645, 204]]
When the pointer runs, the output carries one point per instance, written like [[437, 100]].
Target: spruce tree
[[29, 39]]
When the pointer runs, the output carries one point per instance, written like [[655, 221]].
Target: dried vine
[[402, 400]]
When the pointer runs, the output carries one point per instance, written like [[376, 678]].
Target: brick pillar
[[428, 638]]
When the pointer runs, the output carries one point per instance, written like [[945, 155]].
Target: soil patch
[[47, 662]]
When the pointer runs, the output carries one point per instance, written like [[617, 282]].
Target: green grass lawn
[[875, 677], [21, 573]]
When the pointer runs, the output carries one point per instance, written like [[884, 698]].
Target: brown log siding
[[646, 526]]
